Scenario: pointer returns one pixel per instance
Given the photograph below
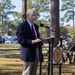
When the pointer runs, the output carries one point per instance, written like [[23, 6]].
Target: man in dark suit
[[28, 37]]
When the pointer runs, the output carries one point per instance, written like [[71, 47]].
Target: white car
[[8, 42], [11, 41]]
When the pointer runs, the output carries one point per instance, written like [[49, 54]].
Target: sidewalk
[[4, 53]]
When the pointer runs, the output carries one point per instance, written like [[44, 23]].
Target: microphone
[[42, 25]]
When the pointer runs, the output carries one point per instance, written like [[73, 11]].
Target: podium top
[[49, 39]]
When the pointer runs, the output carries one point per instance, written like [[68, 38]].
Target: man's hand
[[36, 41]]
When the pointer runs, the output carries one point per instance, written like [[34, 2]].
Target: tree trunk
[[24, 9], [55, 29]]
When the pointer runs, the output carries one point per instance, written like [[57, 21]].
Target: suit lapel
[[28, 28]]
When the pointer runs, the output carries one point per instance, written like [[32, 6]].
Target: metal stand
[[40, 68], [51, 53], [49, 60], [52, 43]]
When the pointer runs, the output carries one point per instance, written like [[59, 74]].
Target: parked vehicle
[[11, 41], [66, 43], [2, 40]]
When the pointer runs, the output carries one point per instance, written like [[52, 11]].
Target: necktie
[[33, 31]]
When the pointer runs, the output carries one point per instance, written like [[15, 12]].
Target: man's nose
[[34, 17]]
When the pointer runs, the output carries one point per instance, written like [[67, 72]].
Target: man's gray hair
[[29, 11]]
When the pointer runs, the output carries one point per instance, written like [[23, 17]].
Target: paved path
[[4, 53]]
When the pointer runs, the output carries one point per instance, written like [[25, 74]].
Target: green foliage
[[6, 6], [6, 9], [72, 32], [64, 31], [45, 31], [68, 8], [41, 6]]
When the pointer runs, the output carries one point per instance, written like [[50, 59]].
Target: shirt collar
[[30, 23]]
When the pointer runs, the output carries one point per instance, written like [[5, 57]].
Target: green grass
[[12, 65]]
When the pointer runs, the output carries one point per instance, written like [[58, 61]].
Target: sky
[[18, 4]]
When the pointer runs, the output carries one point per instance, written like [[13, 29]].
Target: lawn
[[12, 65]]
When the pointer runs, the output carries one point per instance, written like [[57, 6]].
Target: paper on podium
[[47, 39]]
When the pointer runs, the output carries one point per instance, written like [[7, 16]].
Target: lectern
[[55, 54]]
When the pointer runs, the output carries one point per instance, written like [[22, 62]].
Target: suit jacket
[[25, 37]]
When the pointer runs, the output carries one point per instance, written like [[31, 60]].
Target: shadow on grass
[[12, 56], [11, 73]]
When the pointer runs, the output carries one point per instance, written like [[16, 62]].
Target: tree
[[6, 9], [72, 32], [41, 6], [64, 31], [55, 28], [68, 8], [24, 9]]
